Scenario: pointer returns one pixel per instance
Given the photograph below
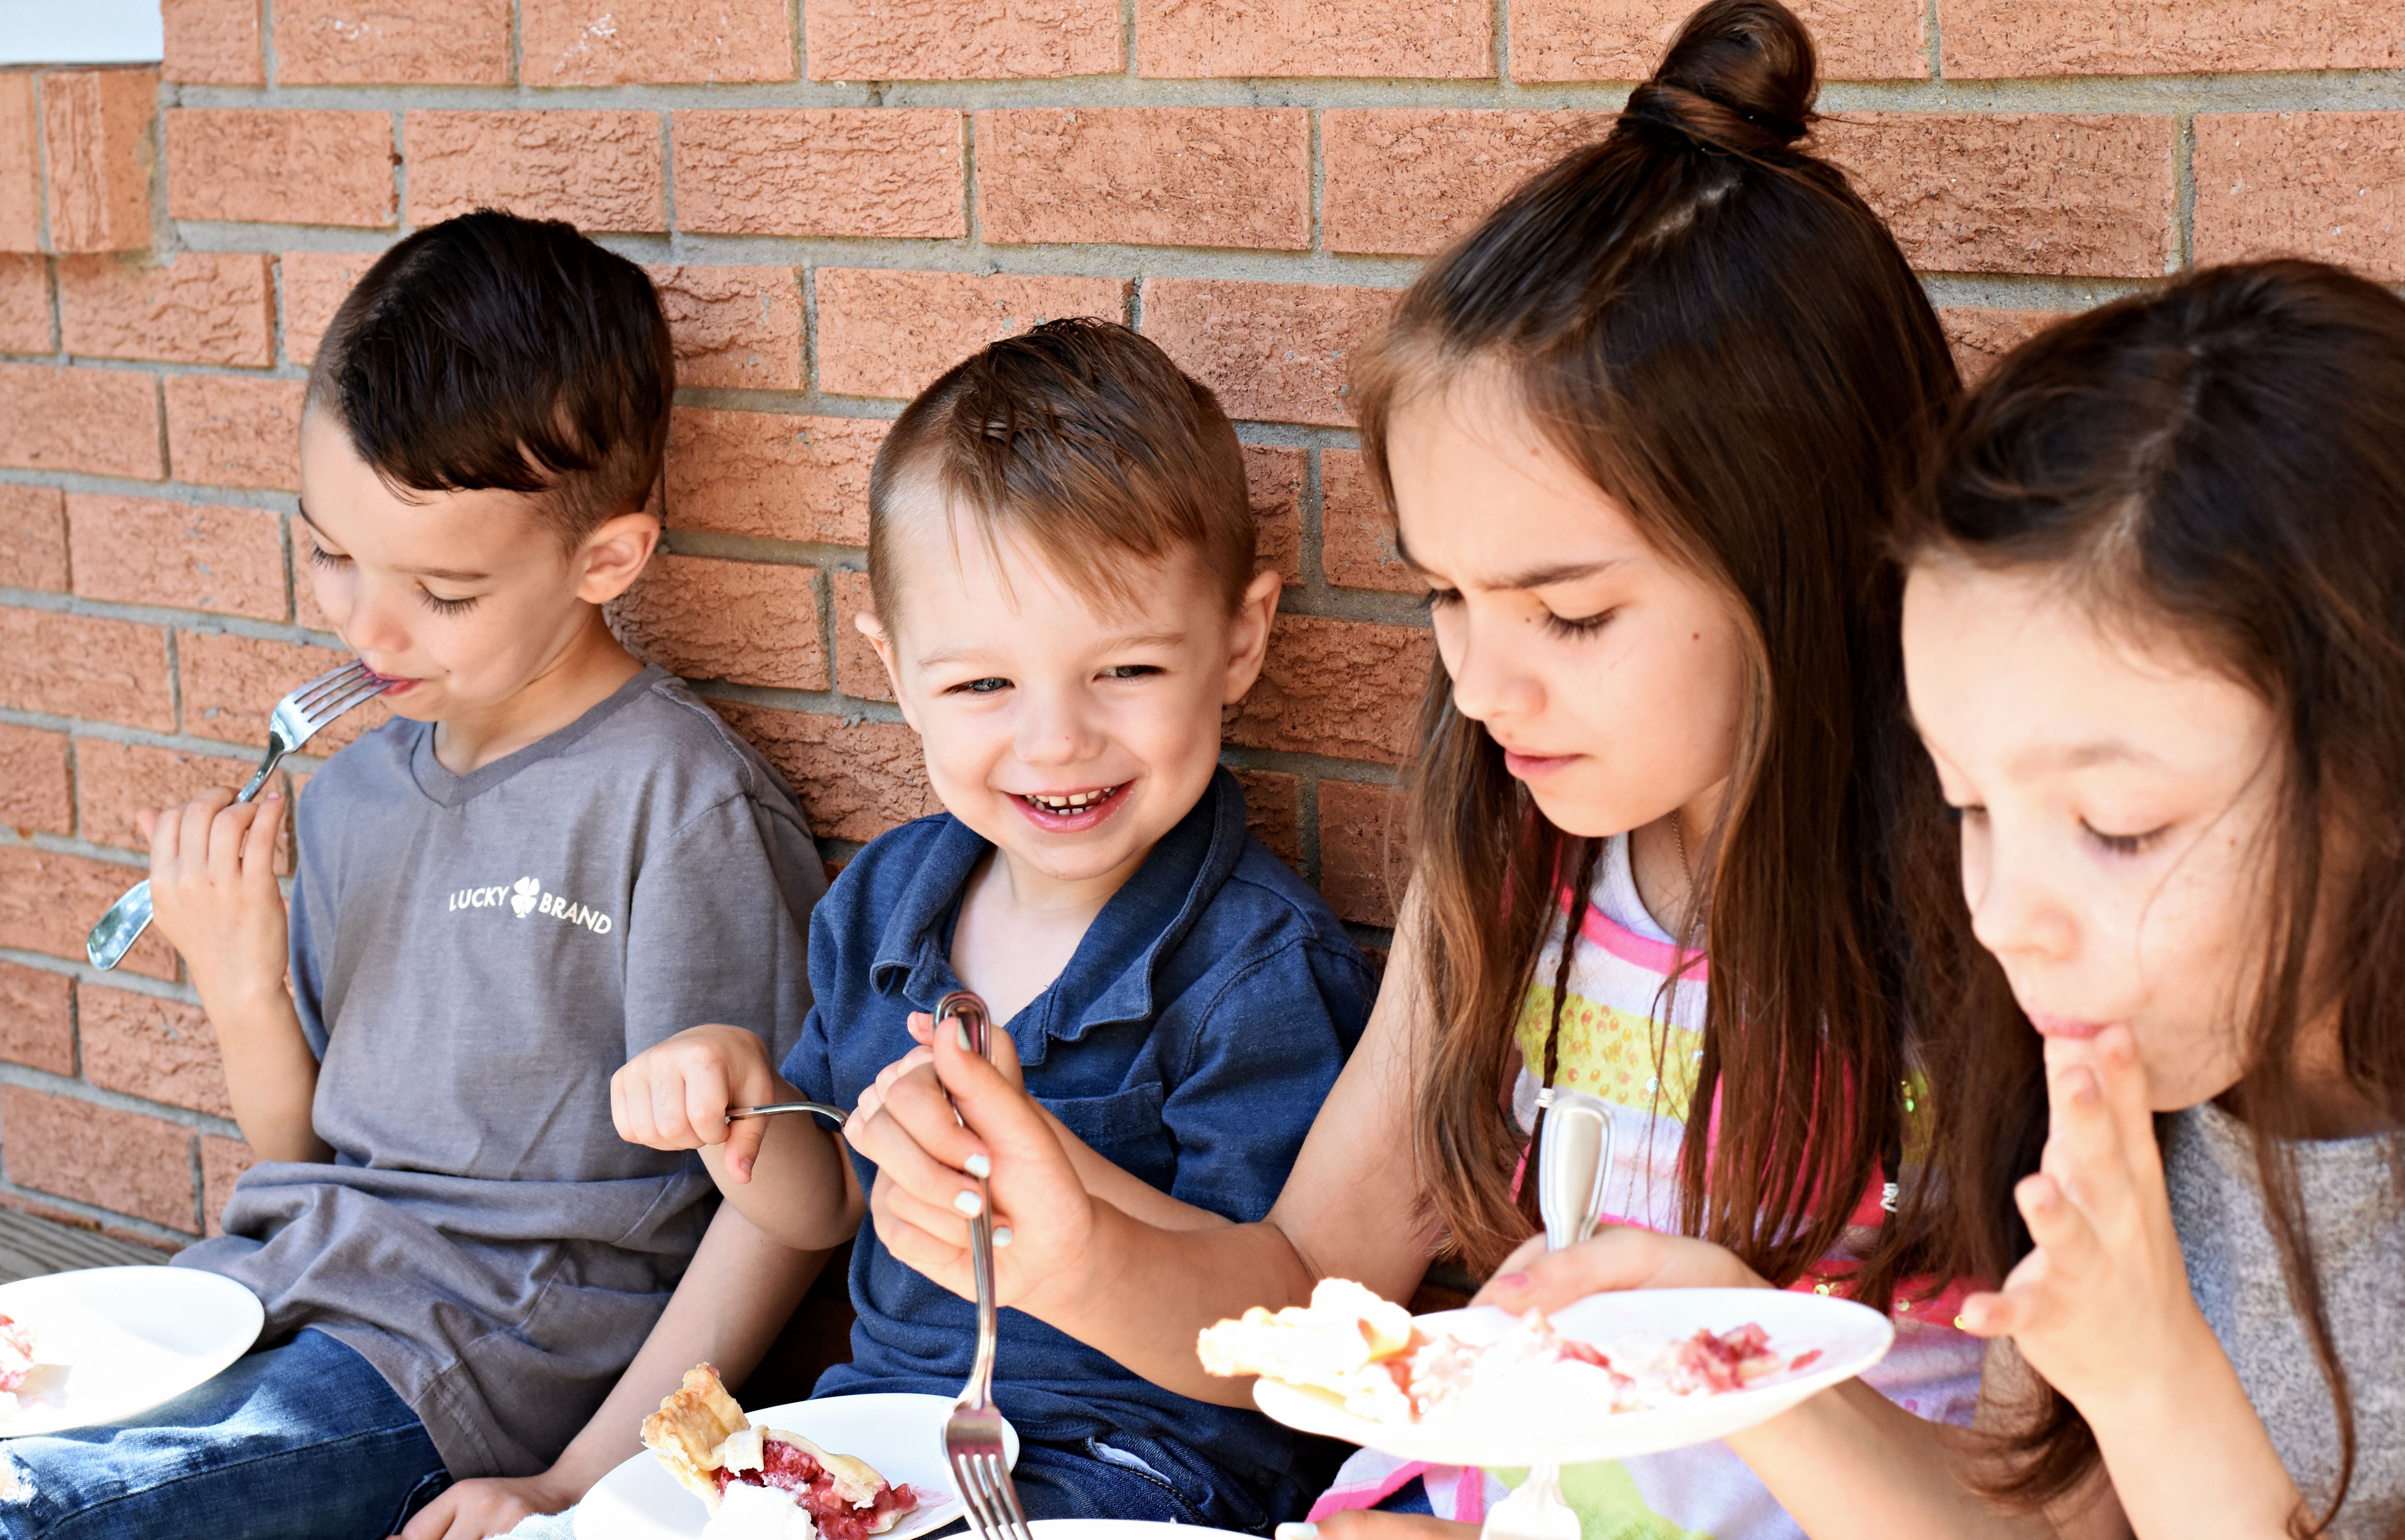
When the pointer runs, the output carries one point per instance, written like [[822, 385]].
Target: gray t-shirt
[[472, 957], [2233, 1267]]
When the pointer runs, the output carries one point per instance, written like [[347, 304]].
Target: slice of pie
[[702, 1436]]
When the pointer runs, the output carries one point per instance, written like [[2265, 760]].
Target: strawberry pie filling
[[789, 1469]]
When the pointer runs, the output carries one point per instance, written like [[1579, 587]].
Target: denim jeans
[[301, 1442]]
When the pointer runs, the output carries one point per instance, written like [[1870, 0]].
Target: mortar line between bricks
[[1314, 171], [400, 169], [1306, 808], [270, 67], [75, 1011], [174, 679], [1500, 43], [1130, 46], [203, 621], [107, 1219], [2184, 195], [84, 972], [972, 206], [1932, 39], [254, 500], [517, 47], [29, 1078], [800, 25], [41, 165], [200, 1191]]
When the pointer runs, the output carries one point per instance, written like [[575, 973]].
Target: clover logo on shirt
[[522, 896]]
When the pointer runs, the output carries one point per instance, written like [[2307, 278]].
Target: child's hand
[[1370, 1524], [921, 1026], [213, 892], [485, 1505], [674, 1096], [1620, 1257]]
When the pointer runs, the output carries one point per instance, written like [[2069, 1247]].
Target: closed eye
[[441, 606], [320, 556], [1571, 628], [2125, 844]]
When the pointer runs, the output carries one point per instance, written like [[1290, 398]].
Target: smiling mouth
[[1059, 802]]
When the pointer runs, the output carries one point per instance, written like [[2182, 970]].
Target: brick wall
[[838, 197]]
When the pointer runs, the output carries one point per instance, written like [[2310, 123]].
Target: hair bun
[[1741, 77]]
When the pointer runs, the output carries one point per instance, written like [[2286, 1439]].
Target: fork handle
[[106, 946], [974, 1021]]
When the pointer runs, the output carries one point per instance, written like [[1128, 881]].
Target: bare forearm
[[270, 1074], [1136, 1199], [2188, 1456], [801, 1194]]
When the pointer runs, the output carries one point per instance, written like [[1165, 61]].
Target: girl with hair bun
[[1645, 433]]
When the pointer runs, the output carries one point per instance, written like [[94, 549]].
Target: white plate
[[902, 1435], [113, 1342], [1852, 1337]]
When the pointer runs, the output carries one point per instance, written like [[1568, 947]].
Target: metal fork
[[973, 1437], [297, 719]]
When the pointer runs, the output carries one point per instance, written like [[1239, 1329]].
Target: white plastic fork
[[297, 719]]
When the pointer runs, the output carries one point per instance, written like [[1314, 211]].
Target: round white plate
[[902, 1435], [1852, 1337], [113, 1342]]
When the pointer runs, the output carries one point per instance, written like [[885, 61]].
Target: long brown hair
[[2223, 461], [1712, 326]]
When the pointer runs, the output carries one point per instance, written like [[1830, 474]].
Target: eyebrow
[[1535, 577], [2081, 756], [972, 655], [441, 574]]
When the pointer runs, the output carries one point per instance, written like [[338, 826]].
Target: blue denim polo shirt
[[1190, 1040]]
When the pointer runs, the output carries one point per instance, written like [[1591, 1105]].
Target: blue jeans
[[301, 1442], [1148, 1479]]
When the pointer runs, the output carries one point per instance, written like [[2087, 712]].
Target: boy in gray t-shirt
[[554, 859]]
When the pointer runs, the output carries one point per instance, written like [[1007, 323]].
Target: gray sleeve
[[305, 957], [719, 928]]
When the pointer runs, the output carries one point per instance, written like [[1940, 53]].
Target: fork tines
[[347, 685], [988, 1494]]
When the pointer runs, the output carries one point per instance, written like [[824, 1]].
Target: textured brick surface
[[33, 780], [889, 333], [1273, 482], [212, 42], [1981, 338], [2313, 184], [1154, 176], [1357, 542], [114, 781], [2081, 195], [597, 170], [36, 1028], [1343, 688], [222, 1162], [21, 165], [392, 42], [235, 432], [1273, 811], [856, 781], [199, 308], [79, 665], [24, 304], [1624, 39], [1410, 180], [757, 473], [135, 1165], [1364, 858], [313, 284], [733, 326], [1990, 39], [230, 683], [857, 670], [746, 623], [96, 152], [32, 538], [960, 39], [48, 901], [1430, 39], [1275, 352], [318, 166], [613, 42], [833, 170], [184, 555], [105, 421], [161, 1050]]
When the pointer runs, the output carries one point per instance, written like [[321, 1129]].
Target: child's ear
[[1249, 633], [614, 555], [868, 622]]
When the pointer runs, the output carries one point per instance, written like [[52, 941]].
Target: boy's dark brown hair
[[1083, 438], [1714, 328], [495, 352], [2220, 462]]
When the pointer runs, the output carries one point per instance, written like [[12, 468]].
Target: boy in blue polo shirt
[[1062, 552]]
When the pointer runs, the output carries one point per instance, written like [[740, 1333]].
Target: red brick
[[1987, 39], [950, 40], [49, 902], [1364, 858], [200, 308], [33, 780], [1624, 39], [1434, 39], [746, 623], [871, 172], [102, 420], [1273, 811], [79, 665], [97, 152], [1275, 352], [73, 1149], [1981, 338], [597, 170], [2075, 195], [740, 328], [1357, 540], [1340, 688], [114, 781], [315, 284], [858, 671], [1410, 180], [1274, 478], [213, 43], [783, 478], [2307, 184], [222, 1162], [228, 431], [856, 781], [159, 1050], [24, 304], [616, 42], [32, 538], [1151, 176], [392, 42], [36, 1028], [21, 165], [230, 683], [888, 333], [314, 166]]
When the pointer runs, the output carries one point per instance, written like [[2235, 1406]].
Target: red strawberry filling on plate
[[789, 1467]]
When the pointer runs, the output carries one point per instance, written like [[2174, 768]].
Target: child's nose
[[2014, 913], [1056, 729], [1488, 679], [374, 624]]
